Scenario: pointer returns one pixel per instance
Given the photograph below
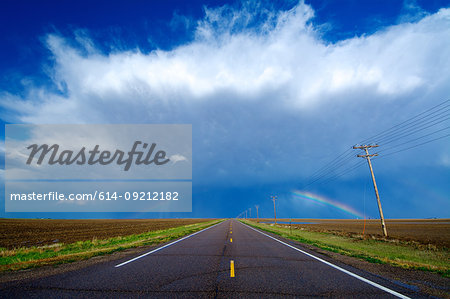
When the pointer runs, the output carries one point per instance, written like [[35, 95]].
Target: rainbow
[[317, 198]]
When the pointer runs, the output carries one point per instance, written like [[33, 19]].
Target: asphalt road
[[201, 265]]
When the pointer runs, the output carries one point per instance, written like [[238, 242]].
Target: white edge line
[[167, 245], [334, 266]]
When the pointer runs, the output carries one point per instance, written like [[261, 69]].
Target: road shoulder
[[425, 282]]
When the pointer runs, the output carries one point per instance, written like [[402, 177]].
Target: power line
[[415, 130], [388, 154], [431, 117], [318, 173], [397, 125], [415, 139], [330, 169], [342, 173], [427, 119]]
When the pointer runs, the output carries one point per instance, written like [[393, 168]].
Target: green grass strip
[[375, 251], [24, 258]]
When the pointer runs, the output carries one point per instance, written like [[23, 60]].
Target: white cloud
[[177, 158], [411, 12], [253, 93], [287, 57]]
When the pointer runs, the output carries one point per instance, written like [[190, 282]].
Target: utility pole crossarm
[[365, 156], [365, 146]]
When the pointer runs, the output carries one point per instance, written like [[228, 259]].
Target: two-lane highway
[[224, 261]]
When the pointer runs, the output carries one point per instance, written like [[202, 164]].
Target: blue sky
[[273, 92]]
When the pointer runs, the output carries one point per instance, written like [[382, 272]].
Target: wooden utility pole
[[367, 157], [274, 198], [257, 215]]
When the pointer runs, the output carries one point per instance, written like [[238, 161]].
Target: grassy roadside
[[399, 253], [25, 258]]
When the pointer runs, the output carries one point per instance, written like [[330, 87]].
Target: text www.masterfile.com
[[97, 195]]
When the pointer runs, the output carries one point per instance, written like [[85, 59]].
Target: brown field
[[423, 231], [16, 233]]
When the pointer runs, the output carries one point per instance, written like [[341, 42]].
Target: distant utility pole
[[257, 215], [367, 157], [274, 198], [250, 212], [245, 214]]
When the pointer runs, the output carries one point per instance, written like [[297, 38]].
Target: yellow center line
[[231, 268], [231, 240]]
